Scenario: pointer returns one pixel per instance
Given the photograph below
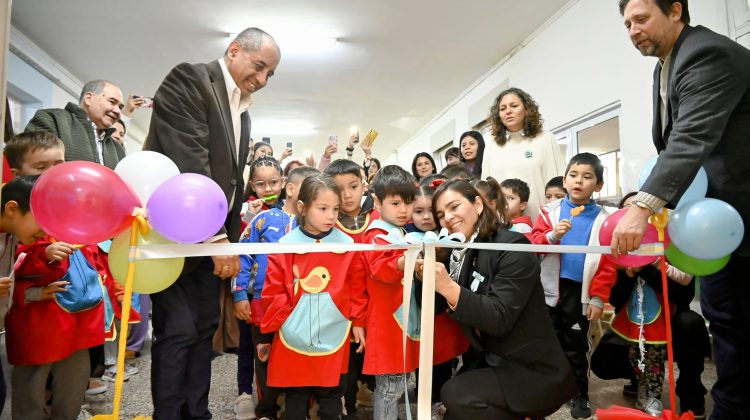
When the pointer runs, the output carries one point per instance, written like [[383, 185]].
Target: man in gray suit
[[200, 121], [701, 118]]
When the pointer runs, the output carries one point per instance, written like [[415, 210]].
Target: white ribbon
[[413, 244]]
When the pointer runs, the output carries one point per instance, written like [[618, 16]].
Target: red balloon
[[605, 238], [82, 203]]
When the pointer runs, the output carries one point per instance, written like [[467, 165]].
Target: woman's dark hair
[[257, 146], [414, 163], [477, 170], [377, 163], [488, 223], [625, 197], [309, 190], [254, 165], [532, 125]]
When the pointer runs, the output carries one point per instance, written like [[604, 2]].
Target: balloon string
[[659, 220], [137, 223]]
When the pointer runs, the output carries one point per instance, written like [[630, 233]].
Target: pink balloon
[[605, 238], [187, 208], [82, 203]]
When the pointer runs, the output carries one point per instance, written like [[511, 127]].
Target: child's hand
[[401, 262], [242, 310], [48, 291], [594, 312], [255, 206], [562, 228], [359, 337], [59, 251], [119, 292], [4, 286]]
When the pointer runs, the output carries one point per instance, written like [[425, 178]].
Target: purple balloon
[[187, 208]]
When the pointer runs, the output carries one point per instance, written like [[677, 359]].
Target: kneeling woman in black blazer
[[515, 368]]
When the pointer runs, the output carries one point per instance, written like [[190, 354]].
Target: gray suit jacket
[[708, 123], [192, 125]]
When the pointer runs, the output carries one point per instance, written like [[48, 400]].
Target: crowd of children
[[313, 326]]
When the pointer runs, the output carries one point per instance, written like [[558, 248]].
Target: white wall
[[581, 61], [35, 86]]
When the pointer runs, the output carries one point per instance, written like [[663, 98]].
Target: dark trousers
[[691, 347], [349, 380], [267, 395], [3, 389], [725, 302], [440, 375], [572, 330], [476, 395], [185, 316], [245, 359], [328, 398]]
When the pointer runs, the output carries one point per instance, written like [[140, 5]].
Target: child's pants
[[267, 395], [70, 378], [652, 376], [328, 398], [572, 330], [388, 390]]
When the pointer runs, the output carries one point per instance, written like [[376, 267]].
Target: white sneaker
[[647, 403], [110, 374], [244, 407]]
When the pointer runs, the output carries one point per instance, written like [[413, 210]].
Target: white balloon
[[144, 171]]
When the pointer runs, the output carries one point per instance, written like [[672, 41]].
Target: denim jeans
[[388, 390]]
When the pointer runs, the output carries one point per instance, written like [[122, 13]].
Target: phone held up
[[148, 102], [290, 145], [333, 140]]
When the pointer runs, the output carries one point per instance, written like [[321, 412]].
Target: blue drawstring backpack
[[85, 288]]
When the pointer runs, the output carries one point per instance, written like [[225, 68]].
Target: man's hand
[[242, 310], [226, 266], [48, 291], [593, 312], [562, 228], [132, 103], [359, 338], [630, 230], [59, 251], [5, 286], [330, 150]]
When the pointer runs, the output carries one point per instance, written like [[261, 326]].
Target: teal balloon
[[694, 266], [706, 229]]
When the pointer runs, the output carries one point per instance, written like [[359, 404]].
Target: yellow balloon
[[151, 276]]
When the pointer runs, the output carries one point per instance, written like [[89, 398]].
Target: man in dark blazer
[[200, 121], [701, 118]]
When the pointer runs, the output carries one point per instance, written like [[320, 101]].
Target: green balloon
[[694, 266]]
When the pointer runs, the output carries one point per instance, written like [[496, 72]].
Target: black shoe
[[630, 390], [580, 408], [698, 412]]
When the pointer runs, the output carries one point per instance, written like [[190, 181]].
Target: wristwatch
[[643, 205]]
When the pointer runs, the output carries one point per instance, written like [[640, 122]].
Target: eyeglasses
[[262, 185]]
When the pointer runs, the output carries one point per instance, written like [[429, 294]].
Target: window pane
[[603, 140]]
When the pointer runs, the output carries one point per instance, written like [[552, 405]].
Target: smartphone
[[370, 137], [355, 132], [266, 140], [148, 102], [333, 140], [289, 145]]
